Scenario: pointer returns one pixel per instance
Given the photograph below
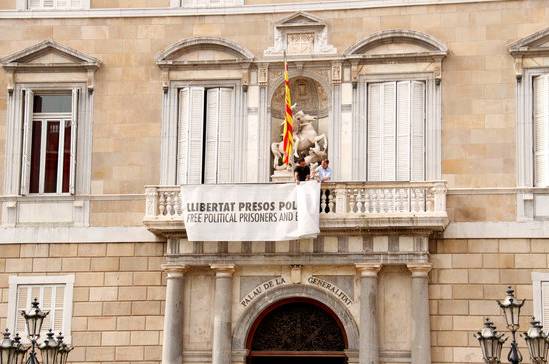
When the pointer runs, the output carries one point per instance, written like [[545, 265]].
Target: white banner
[[251, 212]]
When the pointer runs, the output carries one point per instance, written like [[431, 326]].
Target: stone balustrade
[[343, 205]]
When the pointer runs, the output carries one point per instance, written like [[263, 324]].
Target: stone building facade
[[436, 117]]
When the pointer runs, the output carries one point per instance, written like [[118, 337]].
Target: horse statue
[[307, 142]]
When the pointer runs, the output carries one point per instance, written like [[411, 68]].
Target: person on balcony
[[302, 172], [323, 172]]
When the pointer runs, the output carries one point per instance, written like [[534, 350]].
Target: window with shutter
[[54, 4], [541, 130], [54, 293], [395, 131], [49, 142], [205, 135]]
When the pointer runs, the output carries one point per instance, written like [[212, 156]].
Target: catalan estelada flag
[[288, 138]]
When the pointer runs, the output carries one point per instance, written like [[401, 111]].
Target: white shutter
[[27, 141], [418, 131], [74, 126], [183, 135], [48, 4], [189, 135], [374, 131], [388, 139], [545, 303], [541, 130], [403, 131], [225, 136], [219, 136], [35, 4], [212, 126]]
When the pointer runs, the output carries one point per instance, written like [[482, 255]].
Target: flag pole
[[288, 137]]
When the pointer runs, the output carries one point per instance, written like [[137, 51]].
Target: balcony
[[345, 206]]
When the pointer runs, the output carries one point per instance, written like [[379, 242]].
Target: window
[[54, 293], [206, 3], [205, 135], [395, 131], [541, 130], [54, 4], [49, 146]]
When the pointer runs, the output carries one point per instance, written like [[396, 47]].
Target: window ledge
[[33, 210]]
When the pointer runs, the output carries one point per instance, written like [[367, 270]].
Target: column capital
[[223, 270], [368, 269], [419, 270], [174, 269]]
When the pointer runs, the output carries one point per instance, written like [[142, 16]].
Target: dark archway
[[297, 330]]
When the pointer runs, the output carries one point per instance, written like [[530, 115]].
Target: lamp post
[[53, 351], [491, 342]]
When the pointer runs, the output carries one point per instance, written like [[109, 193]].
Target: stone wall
[[467, 277], [478, 84], [118, 298]]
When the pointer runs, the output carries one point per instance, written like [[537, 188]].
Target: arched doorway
[[297, 331]]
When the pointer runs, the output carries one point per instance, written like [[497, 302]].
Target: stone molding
[[368, 269], [223, 270], [419, 270], [433, 47], [163, 58], [246, 9], [252, 312], [175, 270], [301, 22]]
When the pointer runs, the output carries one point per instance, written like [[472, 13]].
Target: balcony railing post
[[340, 199], [151, 201], [439, 190]]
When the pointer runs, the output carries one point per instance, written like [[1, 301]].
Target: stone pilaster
[[221, 348], [172, 345], [421, 328], [369, 341]]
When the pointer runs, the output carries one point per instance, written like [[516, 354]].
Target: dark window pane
[[52, 153], [52, 103], [67, 156], [35, 157]]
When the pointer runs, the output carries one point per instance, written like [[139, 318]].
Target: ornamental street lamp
[[538, 342], [34, 320], [53, 351], [491, 342], [20, 350], [6, 349], [64, 350]]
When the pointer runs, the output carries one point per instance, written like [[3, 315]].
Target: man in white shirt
[[323, 171]]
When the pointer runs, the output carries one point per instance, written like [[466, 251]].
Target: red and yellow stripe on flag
[[288, 139]]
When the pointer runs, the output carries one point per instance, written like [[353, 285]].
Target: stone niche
[[309, 96]]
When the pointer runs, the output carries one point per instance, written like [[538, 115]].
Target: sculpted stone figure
[[307, 143]]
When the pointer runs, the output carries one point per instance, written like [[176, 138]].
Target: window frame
[[26, 132], [13, 166], [525, 129], [432, 157], [72, 118], [537, 299], [179, 4], [169, 148], [66, 280], [25, 5]]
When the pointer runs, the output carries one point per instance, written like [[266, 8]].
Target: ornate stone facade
[[405, 269]]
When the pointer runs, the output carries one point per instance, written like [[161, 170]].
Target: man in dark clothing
[[302, 172]]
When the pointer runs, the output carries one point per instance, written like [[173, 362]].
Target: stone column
[[172, 344], [421, 328], [221, 348], [369, 341]]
